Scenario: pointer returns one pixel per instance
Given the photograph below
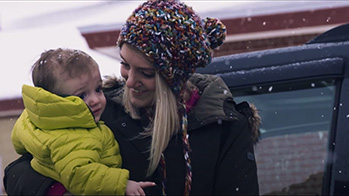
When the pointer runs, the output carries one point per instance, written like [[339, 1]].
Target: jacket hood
[[214, 95], [113, 88], [254, 120], [50, 111], [216, 103]]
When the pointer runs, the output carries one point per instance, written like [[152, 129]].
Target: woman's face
[[139, 74]]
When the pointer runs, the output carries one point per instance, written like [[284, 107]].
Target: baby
[[60, 126]]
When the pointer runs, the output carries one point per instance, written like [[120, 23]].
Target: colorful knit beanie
[[174, 38]]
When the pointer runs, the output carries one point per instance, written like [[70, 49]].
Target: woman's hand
[[136, 188]]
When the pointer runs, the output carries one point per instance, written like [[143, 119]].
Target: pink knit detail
[[56, 189], [193, 99]]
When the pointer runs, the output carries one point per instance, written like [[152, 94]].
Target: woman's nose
[[131, 79]]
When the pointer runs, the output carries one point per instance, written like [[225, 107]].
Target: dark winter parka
[[221, 135]]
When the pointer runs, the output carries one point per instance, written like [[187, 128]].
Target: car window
[[296, 121]]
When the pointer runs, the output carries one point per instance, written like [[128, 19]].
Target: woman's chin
[[140, 103]]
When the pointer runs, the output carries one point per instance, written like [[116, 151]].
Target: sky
[[27, 28]]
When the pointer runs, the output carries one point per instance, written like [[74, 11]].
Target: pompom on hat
[[174, 38]]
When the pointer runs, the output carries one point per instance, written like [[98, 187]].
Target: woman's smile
[[139, 75]]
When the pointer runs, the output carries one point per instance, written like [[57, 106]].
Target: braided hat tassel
[[186, 150], [163, 172]]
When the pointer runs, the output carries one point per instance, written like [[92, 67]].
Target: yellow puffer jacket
[[67, 145]]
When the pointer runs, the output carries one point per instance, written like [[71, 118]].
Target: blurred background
[[27, 28]]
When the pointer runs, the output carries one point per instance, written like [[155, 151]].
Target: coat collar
[[131, 129], [50, 111]]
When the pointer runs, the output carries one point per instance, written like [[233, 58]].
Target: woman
[[182, 131]]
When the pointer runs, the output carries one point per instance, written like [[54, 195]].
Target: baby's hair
[[52, 63]]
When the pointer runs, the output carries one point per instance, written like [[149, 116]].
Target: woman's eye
[[125, 65], [148, 74]]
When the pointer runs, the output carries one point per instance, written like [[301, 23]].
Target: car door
[[302, 94]]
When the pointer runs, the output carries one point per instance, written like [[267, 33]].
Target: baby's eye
[[82, 95], [99, 89]]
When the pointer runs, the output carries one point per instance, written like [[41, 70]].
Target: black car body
[[302, 94]]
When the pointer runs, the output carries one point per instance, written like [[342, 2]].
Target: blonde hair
[[164, 123]]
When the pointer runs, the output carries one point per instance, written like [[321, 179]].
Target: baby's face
[[88, 86]]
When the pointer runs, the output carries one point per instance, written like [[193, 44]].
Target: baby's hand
[[136, 188]]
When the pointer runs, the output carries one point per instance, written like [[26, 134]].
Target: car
[[302, 95]]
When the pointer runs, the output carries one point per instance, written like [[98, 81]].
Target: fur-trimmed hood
[[216, 103]]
